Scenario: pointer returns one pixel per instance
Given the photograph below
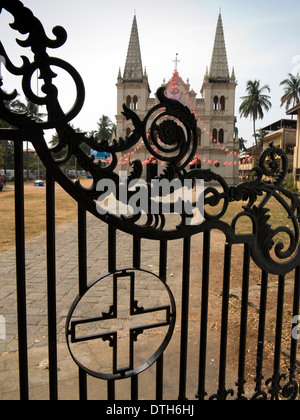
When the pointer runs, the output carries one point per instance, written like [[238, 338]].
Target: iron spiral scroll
[[169, 132]]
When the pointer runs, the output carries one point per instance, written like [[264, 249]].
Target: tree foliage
[[291, 95], [255, 103], [106, 128]]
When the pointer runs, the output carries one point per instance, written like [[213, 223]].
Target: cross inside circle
[[166, 318]]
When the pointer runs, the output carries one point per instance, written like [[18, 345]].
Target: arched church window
[[199, 136], [216, 103], [222, 103], [128, 101], [215, 134], [221, 136], [135, 103]]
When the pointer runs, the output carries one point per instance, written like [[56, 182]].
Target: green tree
[[255, 103], [2, 154], [291, 91], [7, 147], [242, 144], [33, 109], [260, 135], [105, 128], [6, 154]]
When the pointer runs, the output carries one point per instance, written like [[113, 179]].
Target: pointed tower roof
[[133, 68], [219, 65]]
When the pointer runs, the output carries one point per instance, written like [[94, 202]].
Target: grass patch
[[35, 213]]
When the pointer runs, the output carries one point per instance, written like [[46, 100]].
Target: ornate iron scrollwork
[[169, 132]]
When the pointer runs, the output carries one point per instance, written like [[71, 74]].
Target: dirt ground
[[253, 316]]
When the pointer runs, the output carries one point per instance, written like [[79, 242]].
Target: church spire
[[219, 65], [133, 68]]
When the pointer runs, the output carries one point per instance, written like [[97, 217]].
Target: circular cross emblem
[[121, 325]]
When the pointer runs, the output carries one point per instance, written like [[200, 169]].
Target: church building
[[218, 147]]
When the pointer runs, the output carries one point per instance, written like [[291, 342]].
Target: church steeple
[[219, 65], [133, 68]]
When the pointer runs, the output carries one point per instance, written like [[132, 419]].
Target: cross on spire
[[176, 61]]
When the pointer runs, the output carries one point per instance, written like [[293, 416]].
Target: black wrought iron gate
[[169, 131]]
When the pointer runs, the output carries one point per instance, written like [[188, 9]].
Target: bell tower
[[133, 88], [218, 92]]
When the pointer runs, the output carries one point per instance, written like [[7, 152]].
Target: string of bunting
[[129, 158]]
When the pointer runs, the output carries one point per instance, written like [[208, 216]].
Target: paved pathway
[[67, 279]]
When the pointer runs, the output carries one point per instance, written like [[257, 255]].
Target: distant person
[[1, 183], [4, 179]]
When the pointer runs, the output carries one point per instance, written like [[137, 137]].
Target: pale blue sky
[[262, 40]]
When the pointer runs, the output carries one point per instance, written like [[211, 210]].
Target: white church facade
[[218, 147]]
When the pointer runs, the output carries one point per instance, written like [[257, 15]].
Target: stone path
[[67, 279]]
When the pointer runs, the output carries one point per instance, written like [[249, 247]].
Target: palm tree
[[291, 91], [105, 128], [255, 103]]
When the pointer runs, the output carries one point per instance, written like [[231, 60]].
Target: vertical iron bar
[[82, 250], [136, 252], [222, 393], [112, 263], [244, 317], [296, 313], [20, 271], [112, 249], [82, 270], [184, 317], [111, 390], [261, 335], [163, 256], [137, 265], [204, 316], [291, 388], [160, 361], [275, 382], [279, 322], [51, 286]]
